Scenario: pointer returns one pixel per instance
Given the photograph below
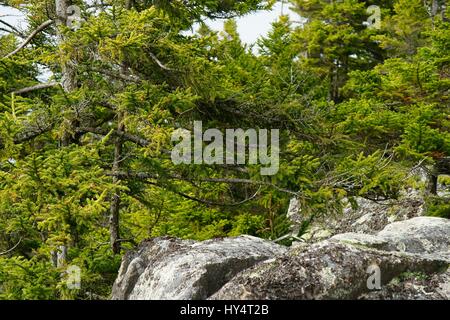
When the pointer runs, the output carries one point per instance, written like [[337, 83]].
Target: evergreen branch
[[39, 29], [123, 135]]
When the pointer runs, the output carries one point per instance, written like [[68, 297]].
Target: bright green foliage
[[356, 108], [438, 207]]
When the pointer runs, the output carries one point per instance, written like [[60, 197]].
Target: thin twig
[[13, 29], [145, 176], [30, 37], [9, 250], [159, 63]]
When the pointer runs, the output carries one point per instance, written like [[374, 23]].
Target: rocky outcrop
[[422, 235], [369, 217], [326, 270], [414, 286], [168, 268], [366, 216], [407, 259], [341, 267]]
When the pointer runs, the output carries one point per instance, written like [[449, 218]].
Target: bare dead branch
[[8, 31], [118, 75], [13, 29], [36, 87], [28, 135], [39, 29], [10, 250], [159, 63]]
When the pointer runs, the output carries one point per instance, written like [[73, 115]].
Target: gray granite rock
[[167, 268]]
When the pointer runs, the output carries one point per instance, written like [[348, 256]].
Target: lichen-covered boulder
[[422, 235], [325, 270], [168, 268], [414, 286], [369, 217], [408, 259], [340, 267]]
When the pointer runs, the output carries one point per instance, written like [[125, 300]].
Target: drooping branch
[[145, 176], [212, 203], [39, 29], [245, 181], [202, 201], [29, 135]]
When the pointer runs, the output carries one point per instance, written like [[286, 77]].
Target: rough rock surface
[[326, 270], [369, 217], [421, 235], [412, 258], [168, 268], [339, 268], [414, 286]]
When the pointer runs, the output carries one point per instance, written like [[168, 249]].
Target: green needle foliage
[[85, 155]]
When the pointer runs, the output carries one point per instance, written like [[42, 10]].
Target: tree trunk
[[432, 184], [68, 68], [68, 82], [61, 260], [115, 199]]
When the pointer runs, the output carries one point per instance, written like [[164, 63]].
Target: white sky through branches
[[250, 27]]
